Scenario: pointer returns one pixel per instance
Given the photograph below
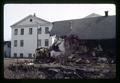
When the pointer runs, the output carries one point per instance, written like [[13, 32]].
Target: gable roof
[[33, 23], [101, 27]]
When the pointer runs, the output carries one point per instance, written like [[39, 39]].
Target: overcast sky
[[51, 12]]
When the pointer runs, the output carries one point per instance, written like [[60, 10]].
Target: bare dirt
[[107, 71]]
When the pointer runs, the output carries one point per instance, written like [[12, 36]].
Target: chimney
[[106, 13]]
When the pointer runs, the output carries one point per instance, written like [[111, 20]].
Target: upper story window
[[39, 42], [30, 20], [21, 55], [39, 30], [46, 30], [21, 43], [30, 30], [15, 31], [22, 31], [15, 43], [46, 42]]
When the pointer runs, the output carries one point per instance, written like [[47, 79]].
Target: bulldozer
[[42, 55]]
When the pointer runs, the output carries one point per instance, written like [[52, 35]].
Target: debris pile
[[89, 51], [50, 71]]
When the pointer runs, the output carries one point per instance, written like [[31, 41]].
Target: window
[[40, 30], [30, 20], [21, 55], [22, 31], [30, 30], [30, 55], [39, 42], [21, 43], [9, 45], [46, 30], [15, 31], [15, 43], [15, 55], [46, 42]]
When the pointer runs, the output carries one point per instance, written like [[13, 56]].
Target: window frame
[[21, 43], [47, 41], [30, 31], [31, 20], [22, 32], [15, 55], [15, 31], [15, 43], [39, 30], [39, 44], [46, 30], [20, 55]]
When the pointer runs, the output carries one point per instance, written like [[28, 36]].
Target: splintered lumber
[[84, 68]]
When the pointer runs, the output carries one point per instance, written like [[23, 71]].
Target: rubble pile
[[89, 51], [77, 52], [57, 71]]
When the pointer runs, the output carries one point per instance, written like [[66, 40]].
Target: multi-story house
[[28, 34]]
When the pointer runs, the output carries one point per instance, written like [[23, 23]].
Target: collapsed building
[[93, 36]]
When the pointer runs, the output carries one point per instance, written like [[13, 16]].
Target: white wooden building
[[28, 34]]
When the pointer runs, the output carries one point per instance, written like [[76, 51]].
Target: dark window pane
[[46, 30], [21, 55], [15, 55], [30, 30], [15, 43], [15, 31], [21, 43], [39, 42], [30, 20], [46, 42], [22, 31], [39, 30]]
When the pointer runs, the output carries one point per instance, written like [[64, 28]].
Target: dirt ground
[[9, 74], [8, 61]]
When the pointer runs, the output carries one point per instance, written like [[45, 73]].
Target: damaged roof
[[100, 27], [61, 28]]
